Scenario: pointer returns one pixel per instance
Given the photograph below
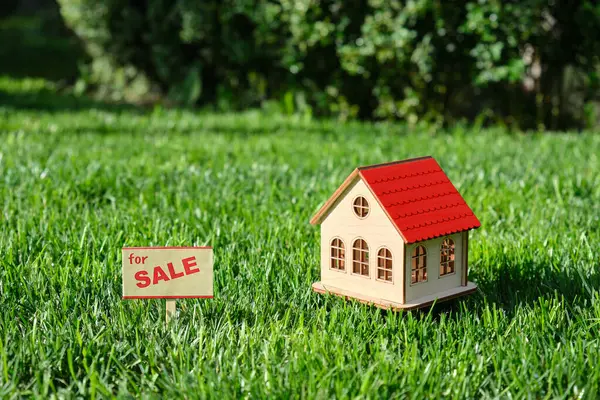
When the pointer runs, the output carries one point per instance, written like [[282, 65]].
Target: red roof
[[419, 199]]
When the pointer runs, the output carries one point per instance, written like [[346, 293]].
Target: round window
[[361, 207]]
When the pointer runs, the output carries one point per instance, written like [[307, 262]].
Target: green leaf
[[188, 91]]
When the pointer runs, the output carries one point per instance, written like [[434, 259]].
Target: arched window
[[447, 257], [361, 207], [419, 265], [360, 257], [338, 254], [384, 264]]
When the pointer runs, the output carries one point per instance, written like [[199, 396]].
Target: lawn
[[80, 179]]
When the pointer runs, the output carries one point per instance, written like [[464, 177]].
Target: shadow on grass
[[53, 99], [525, 283], [38, 95], [514, 286]]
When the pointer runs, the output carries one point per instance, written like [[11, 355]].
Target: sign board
[[167, 272]]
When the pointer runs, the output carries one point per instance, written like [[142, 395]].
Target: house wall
[[377, 230], [435, 283]]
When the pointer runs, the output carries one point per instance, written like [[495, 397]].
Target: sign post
[[171, 309], [167, 273]]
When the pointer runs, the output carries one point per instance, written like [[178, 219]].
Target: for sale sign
[[167, 272]]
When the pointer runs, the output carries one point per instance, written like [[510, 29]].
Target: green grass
[[78, 183]]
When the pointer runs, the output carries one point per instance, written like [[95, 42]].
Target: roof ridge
[[403, 176], [389, 164]]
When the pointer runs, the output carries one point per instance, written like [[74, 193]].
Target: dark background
[[520, 64]]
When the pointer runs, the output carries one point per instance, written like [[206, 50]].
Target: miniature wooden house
[[396, 235]]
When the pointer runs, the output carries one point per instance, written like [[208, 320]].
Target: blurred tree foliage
[[7, 7], [34, 42], [527, 63]]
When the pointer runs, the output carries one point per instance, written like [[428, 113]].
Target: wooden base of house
[[391, 305]]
